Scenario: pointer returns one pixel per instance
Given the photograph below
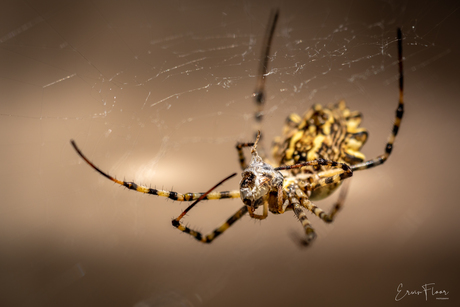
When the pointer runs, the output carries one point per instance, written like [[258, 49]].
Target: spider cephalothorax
[[258, 180]]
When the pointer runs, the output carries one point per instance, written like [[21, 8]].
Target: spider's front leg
[[163, 193], [259, 92]]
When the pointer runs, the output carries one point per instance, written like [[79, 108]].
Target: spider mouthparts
[[247, 197]]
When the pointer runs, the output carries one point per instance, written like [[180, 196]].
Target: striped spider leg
[[241, 157], [211, 236], [163, 193], [399, 114], [180, 197]]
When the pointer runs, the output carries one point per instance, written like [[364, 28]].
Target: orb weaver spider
[[317, 152]]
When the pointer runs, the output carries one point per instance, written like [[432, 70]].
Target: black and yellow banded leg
[[328, 218], [344, 174], [344, 171], [343, 194], [399, 114], [317, 162], [293, 193], [169, 194], [208, 238], [218, 231], [241, 157], [309, 231]]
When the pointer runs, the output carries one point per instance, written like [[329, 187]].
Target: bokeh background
[[160, 92]]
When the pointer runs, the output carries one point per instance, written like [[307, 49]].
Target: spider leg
[[259, 93], [344, 171], [399, 114], [241, 157], [282, 205], [208, 238], [293, 194], [218, 231], [309, 231], [328, 218], [169, 194], [340, 201]]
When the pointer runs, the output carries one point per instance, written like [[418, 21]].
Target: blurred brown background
[[160, 93]]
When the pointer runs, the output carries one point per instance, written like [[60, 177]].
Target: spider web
[[142, 78], [160, 94]]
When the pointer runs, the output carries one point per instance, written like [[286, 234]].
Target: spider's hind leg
[[399, 114]]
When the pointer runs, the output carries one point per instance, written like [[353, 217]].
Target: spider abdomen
[[330, 133]]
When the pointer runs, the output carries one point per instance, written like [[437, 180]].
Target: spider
[[317, 152]]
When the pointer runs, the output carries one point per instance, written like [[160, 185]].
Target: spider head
[[258, 180]]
